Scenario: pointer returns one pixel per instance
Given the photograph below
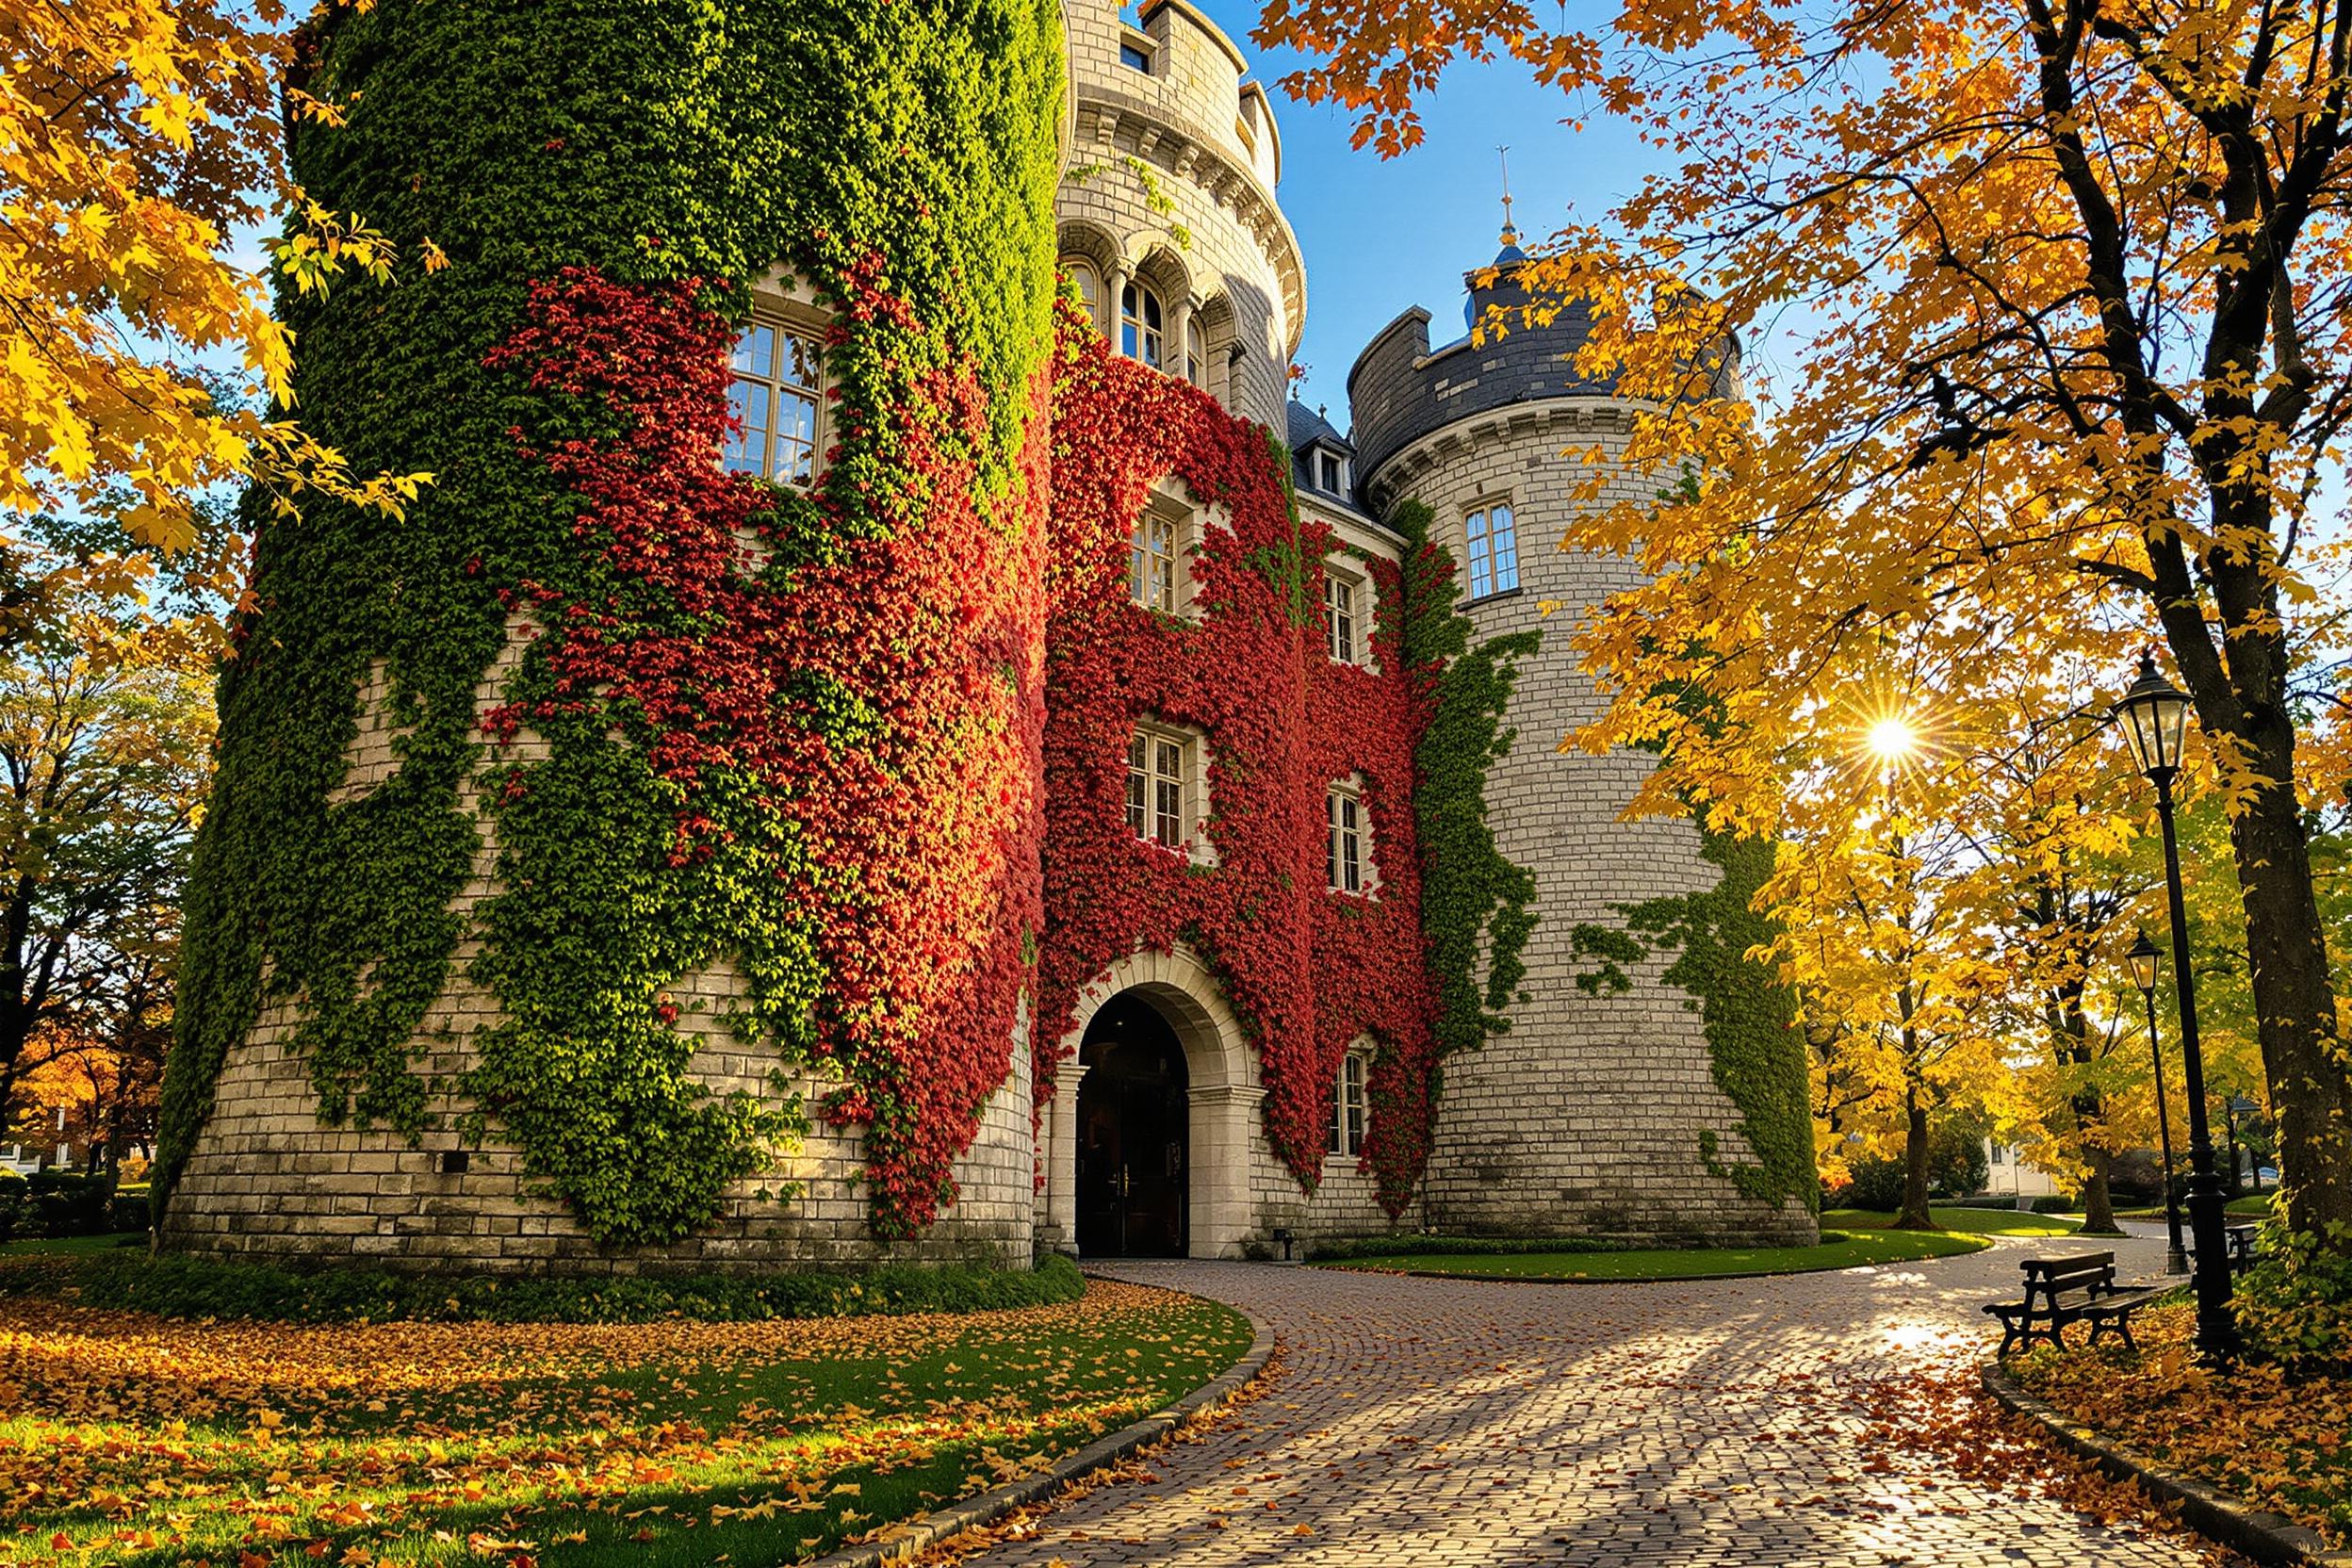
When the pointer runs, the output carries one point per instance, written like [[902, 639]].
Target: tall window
[[1494, 550], [1346, 861], [1349, 1104], [1339, 614], [1151, 571], [778, 389], [1196, 355], [1156, 789], [1089, 285], [1139, 326]]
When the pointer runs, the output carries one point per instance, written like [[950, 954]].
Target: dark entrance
[[1134, 1134]]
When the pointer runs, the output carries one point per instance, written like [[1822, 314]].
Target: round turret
[[1167, 216], [1607, 1109]]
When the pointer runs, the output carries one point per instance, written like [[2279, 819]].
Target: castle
[[991, 807]]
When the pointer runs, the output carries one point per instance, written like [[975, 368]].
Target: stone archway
[[1221, 1090]]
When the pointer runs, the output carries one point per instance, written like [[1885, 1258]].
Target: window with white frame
[[1348, 860], [1343, 602], [1089, 285], [1351, 1102], [1154, 551], [1334, 477], [1141, 325], [1159, 787], [778, 398], [1494, 540]]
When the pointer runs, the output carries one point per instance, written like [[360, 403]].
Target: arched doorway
[[1134, 1134]]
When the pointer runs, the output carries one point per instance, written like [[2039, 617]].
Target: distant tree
[[105, 736]]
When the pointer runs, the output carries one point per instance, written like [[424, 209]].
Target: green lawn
[[140, 1442], [1847, 1250], [1975, 1222], [2251, 1206], [73, 1246]]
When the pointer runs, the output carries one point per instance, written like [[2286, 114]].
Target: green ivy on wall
[[1749, 1013], [1476, 904], [680, 145]]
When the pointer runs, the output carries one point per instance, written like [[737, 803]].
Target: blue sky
[[1383, 235]]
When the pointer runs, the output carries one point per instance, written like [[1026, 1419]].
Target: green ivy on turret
[[898, 159], [1749, 1013], [1476, 904]]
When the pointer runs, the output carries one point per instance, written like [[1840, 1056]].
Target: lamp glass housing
[[2142, 961], [2154, 718]]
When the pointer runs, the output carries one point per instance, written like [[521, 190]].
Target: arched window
[[1140, 325], [1196, 353], [1090, 284]]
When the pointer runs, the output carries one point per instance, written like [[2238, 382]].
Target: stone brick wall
[[267, 1179], [1221, 252], [1586, 1119]]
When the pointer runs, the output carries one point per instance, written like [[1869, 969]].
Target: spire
[[1511, 230]]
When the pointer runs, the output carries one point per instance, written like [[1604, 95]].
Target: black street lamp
[[2143, 958], [2154, 718]]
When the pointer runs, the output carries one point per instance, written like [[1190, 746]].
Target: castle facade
[[892, 735]]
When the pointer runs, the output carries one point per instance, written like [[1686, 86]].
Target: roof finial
[[1511, 230]]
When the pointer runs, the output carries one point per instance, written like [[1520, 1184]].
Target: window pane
[[1331, 852], [754, 353], [796, 439], [1172, 812], [1138, 787], [747, 449], [1505, 546], [802, 365]]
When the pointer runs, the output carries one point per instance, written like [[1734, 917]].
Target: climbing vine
[[1749, 1013], [1476, 904], [1306, 971], [628, 808]]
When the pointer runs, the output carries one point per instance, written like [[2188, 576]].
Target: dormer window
[[1332, 473], [1141, 325]]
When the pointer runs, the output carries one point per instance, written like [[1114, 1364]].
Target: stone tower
[[1167, 211], [1603, 1111]]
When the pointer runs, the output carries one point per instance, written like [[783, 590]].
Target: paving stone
[[1486, 1425]]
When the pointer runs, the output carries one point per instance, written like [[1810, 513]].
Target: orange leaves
[[510, 1446]]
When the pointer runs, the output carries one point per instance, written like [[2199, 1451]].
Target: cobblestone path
[[1460, 1425]]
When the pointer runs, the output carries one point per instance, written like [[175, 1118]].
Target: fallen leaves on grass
[[134, 1440]]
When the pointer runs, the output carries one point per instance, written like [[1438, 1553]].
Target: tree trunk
[[1915, 1216], [2295, 1004], [2098, 1207]]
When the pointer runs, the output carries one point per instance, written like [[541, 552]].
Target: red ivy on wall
[[1306, 971], [863, 664]]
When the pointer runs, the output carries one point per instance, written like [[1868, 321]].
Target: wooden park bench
[[2077, 1289]]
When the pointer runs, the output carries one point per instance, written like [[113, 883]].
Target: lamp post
[[2233, 1107], [2143, 958], [2154, 718]]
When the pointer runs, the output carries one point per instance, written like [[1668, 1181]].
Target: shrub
[[182, 1286], [15, 1196], [2056, 1202], [1877, 1184], [68, 1204], [128, 1211], [2295, 1307]]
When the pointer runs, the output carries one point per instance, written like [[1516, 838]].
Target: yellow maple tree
[[2062, 292], [137, 140]]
